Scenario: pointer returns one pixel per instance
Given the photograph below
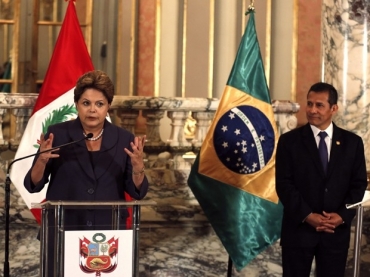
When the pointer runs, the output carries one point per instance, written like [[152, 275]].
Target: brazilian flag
[[233, 176]]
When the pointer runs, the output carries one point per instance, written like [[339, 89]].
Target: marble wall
[[346, 63]]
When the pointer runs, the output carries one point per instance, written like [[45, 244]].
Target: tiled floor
[[169, 251]]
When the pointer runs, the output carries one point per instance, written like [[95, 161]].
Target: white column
[[282, 49]]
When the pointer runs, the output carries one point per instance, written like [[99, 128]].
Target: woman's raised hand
[[46, 144], [137, 153]]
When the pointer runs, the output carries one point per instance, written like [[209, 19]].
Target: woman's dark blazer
[[304, 188], [72, 176]]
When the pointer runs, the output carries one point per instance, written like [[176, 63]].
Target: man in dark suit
[[314, 182]]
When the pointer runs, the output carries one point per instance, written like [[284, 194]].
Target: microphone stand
[[7, 197]]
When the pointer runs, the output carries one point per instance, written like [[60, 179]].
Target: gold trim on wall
[[293, 95], [15, 46], [88, 31], [183, 59], [244, 20], [268, 42], [7, 53], [15, 62], [6, 21], [34, 46], [119, 49], [157, 43], [133, 45], [211, 47]]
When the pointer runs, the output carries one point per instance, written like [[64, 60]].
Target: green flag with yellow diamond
[[233, 176]]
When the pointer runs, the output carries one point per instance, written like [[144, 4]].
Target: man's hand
[[326, 222], [332, 222]]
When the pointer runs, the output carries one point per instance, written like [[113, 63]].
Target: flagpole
[[7, 207], [229, 267], [230, 262]]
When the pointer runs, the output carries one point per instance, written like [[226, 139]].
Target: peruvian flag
[[55, 103]]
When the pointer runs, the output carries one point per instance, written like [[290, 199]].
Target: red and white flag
[[55, 103]]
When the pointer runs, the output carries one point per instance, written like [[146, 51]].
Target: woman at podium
[[96, 160]]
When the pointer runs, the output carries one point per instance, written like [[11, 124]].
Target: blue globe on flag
[[244, 139]]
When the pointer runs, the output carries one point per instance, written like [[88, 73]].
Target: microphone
[[88, 136], [7, 195]]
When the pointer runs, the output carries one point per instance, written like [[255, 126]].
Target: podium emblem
[[98, 255]]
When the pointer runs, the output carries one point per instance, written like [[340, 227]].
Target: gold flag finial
[[250, 8]]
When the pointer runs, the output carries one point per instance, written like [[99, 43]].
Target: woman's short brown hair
[[95, 79]]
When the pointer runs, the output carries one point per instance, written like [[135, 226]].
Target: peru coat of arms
[[99, 255]]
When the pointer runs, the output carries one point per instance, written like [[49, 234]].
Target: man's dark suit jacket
[[72, 176], [304, 188]]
